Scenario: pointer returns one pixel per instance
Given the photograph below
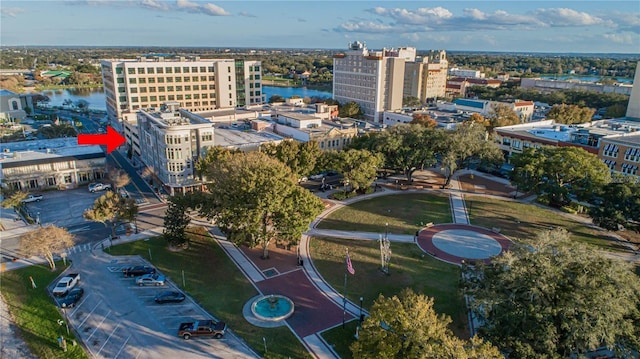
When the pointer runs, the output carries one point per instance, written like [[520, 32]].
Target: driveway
[[64, 208], [117, 319]]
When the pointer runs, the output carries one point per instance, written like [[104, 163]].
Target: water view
[[586, 78], [96, 99]]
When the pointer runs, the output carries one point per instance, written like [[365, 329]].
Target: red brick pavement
[[313, 311], [425, 240]]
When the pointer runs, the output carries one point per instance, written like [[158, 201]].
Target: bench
[[495, 230]]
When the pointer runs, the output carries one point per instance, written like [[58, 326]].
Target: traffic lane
[[140, 185], [119, 319]]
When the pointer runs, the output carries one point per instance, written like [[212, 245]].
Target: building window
[[160, 70], [176, 70], [150, 70], [120, 80], [160, 80], [142, 80], [632, 154], [168, 70], [131, 71], [610, 150], [140, 70], [629, 169], [178, 79], [132, 81], [134, 90]]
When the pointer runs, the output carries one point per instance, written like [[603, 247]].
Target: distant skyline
[[506, 26]]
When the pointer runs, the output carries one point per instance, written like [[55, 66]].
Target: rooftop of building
[[242, 138], [46, 149], [5, 92], [171, 116], [622, 129]]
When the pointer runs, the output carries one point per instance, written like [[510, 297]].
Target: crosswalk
[[79, 248]]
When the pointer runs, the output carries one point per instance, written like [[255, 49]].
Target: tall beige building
[[426, 77], [372, 79], [197, 85], [633, 109]]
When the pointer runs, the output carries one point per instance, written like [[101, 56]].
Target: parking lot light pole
[[361, 299]]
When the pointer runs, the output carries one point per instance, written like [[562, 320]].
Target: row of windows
[[631, 158], [335, 143], [171, 88], [175, 166], [168, 70], [161, 80]]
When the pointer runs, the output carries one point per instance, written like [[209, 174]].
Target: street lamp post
[[361, 299]]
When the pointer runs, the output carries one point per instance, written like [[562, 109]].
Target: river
[[96, 100]]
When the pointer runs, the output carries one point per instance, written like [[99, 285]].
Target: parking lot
[[118, 319], [63, 208]]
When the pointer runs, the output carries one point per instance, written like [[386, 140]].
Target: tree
[[478, 118], [14, 199], [358, 167], [118, 177], [300, 157], [110, 208], [502, 115], [255, 199], [410, 101], [407, 326], [558, 172], [570, 114], [46, 242], [404, 147], [615, 111], [555, 299], [350, 109], [276, 98], [424, 120], [468, 142], [620, 205], [176, 219]]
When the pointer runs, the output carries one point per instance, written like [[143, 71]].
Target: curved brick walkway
[[426, 242]]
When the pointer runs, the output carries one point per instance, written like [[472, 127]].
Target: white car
[[95, 187], [318, 176], [32, 198], [150, 279]]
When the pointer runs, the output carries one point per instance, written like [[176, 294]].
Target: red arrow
[[112, 139]]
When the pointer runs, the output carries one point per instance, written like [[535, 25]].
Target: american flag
[[349, 265]]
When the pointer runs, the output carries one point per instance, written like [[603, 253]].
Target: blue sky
[[523, 26]]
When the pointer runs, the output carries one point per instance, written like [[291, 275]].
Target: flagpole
[[344, 294]]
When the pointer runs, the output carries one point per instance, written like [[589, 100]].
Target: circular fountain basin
[[272, 308]]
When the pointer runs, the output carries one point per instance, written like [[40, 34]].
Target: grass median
[[214, 281], [35, 313], [404, 214], [409, 267]]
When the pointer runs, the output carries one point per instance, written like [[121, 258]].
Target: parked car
[[138, 271], [150, 279], [70, 300], [303, 180], [318, 176], [95, 187], [202, 328], [32, 198], [65, 284], [169, 297]]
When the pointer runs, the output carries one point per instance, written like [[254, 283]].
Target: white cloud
[[187, 5], [207, 9], [420, 16], [155, 4], [622, 38], [367, 27], [214, 10], [566, 17], [11, 11]]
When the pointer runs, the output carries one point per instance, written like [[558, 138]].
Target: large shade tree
[[404, 147], [255, 199], [553, 298], [358, 167], [558, 172], [176, 219], [301, 157], [468, 142], [619, 206], [407, 326], [46, 242], [570, 114], [502, 115], [110, 209]]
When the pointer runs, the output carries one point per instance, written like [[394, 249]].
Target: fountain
[[272, 308]]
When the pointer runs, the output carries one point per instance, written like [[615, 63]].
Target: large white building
[[372, 79], [196, 84], [426, 77]]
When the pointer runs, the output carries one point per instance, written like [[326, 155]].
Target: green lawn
[[524, 221], [409, 268], [218, 285], [405, 213], [35, 313]]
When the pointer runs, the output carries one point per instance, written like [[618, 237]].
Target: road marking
[[132, 181], [107, 340], [122, 347], [81, 229], [99, 325], [77, 306], [92, 310]]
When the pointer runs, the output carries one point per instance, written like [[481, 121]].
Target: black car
[[138, 271], [169, 297], [70, 300]]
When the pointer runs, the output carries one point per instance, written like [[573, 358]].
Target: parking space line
[[99, 325], [80, 304], [107, 340], [122, 347], [88, 315], [139, 351]]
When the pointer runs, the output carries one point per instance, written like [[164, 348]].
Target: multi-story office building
[[457, 72], [633, 109], [171, 141], [621, 153], [372, 79], [196, 84], [426, 77]]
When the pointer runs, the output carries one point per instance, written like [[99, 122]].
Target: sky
[[580, 26]]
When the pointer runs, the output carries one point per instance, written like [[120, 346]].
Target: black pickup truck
[[202, 328]]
